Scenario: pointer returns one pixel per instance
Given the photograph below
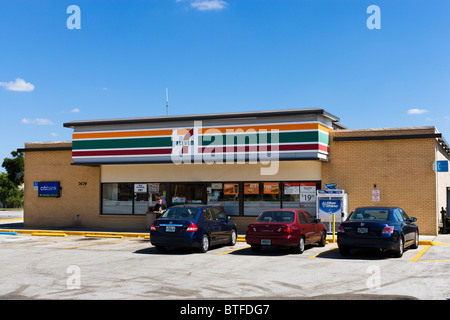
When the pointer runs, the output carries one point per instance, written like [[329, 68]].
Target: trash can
[[150, 217]]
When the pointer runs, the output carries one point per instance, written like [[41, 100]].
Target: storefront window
[[300, 195], [130, 198], [261, 196], [224, 194], [117, 198]]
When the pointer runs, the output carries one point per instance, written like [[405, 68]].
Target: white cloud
[[37, 121], [75, 110], [206, 5], [55, 134], [417, 111], [18, 85]]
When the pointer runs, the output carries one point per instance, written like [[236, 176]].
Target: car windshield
[[276, 216], [371, 214], [180, 213]]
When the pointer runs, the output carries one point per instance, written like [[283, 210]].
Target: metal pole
[[334, 228]]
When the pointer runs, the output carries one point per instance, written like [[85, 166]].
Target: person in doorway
[[158, 196], [159, 208]]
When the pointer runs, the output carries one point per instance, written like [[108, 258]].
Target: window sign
[[251, 188], [291, 188], [271, 188], [140, 187], [307, 192], [231, 188], [48, 189]]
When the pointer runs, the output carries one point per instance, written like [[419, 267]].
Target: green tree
[[11, 194], [14, 167]]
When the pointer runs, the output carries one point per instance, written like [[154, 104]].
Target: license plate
[[362, 230], [266, 242], [170, 229]]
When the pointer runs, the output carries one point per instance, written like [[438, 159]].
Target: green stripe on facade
[[220, 139], [122, 143]]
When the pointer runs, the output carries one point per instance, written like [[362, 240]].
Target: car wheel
[[323, 239], [233, 238], [205, 243], [300, 246], [256, 247], [344, 251], [401, 247], [415, 245]]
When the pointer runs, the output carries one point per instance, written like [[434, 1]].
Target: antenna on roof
[[167, 101]]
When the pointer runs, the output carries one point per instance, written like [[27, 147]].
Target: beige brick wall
[[400, 169], [79, 204]]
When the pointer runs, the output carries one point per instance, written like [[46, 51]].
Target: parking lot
[[71, 266]]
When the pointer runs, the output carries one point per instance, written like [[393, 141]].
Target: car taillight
[[153, 228], [287, 229], [388, 230], [192, 228], [341, 229]]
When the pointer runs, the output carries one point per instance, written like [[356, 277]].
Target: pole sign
[[49, 189], [328, 207]]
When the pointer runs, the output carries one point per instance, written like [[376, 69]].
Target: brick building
[[108, 175]]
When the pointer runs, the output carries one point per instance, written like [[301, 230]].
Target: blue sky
[[220, 56]]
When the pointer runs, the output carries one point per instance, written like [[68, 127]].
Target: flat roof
[[208, 116]]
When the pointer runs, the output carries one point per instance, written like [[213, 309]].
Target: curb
[[145, 235]]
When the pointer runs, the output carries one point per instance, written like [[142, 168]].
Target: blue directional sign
[[442, 166]]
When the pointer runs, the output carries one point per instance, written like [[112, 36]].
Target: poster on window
[[231, 188], [251, 188], [308, 192], [271, 188], [291, 188]]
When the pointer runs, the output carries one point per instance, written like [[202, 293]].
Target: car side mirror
[[413, 219], [228, 219], [318, 220]]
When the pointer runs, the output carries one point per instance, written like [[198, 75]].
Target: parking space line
[[219, 254], [96, 244], [421, 252]]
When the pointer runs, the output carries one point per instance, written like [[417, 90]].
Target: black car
[[197, 226], [386, 228]]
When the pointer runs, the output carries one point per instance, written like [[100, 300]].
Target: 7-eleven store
[[248, 162]]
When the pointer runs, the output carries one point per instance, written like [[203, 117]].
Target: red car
[[285, 227]]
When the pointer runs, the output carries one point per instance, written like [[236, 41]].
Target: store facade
[[111, 172]]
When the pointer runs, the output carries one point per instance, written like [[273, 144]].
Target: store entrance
[[188, 193]]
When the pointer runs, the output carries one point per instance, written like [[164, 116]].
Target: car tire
[[233, 238], [323, 239], [400, 248], [415, 245], [300, 248], [256, 248], [204, 245]]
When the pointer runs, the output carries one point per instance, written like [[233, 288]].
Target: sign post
[[332, 207]]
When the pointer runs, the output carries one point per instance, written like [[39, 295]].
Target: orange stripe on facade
[[223, 130], [280, 127], [122, 134]]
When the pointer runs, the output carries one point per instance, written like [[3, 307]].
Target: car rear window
[[370, 214], [276, 216], [180, 213]]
